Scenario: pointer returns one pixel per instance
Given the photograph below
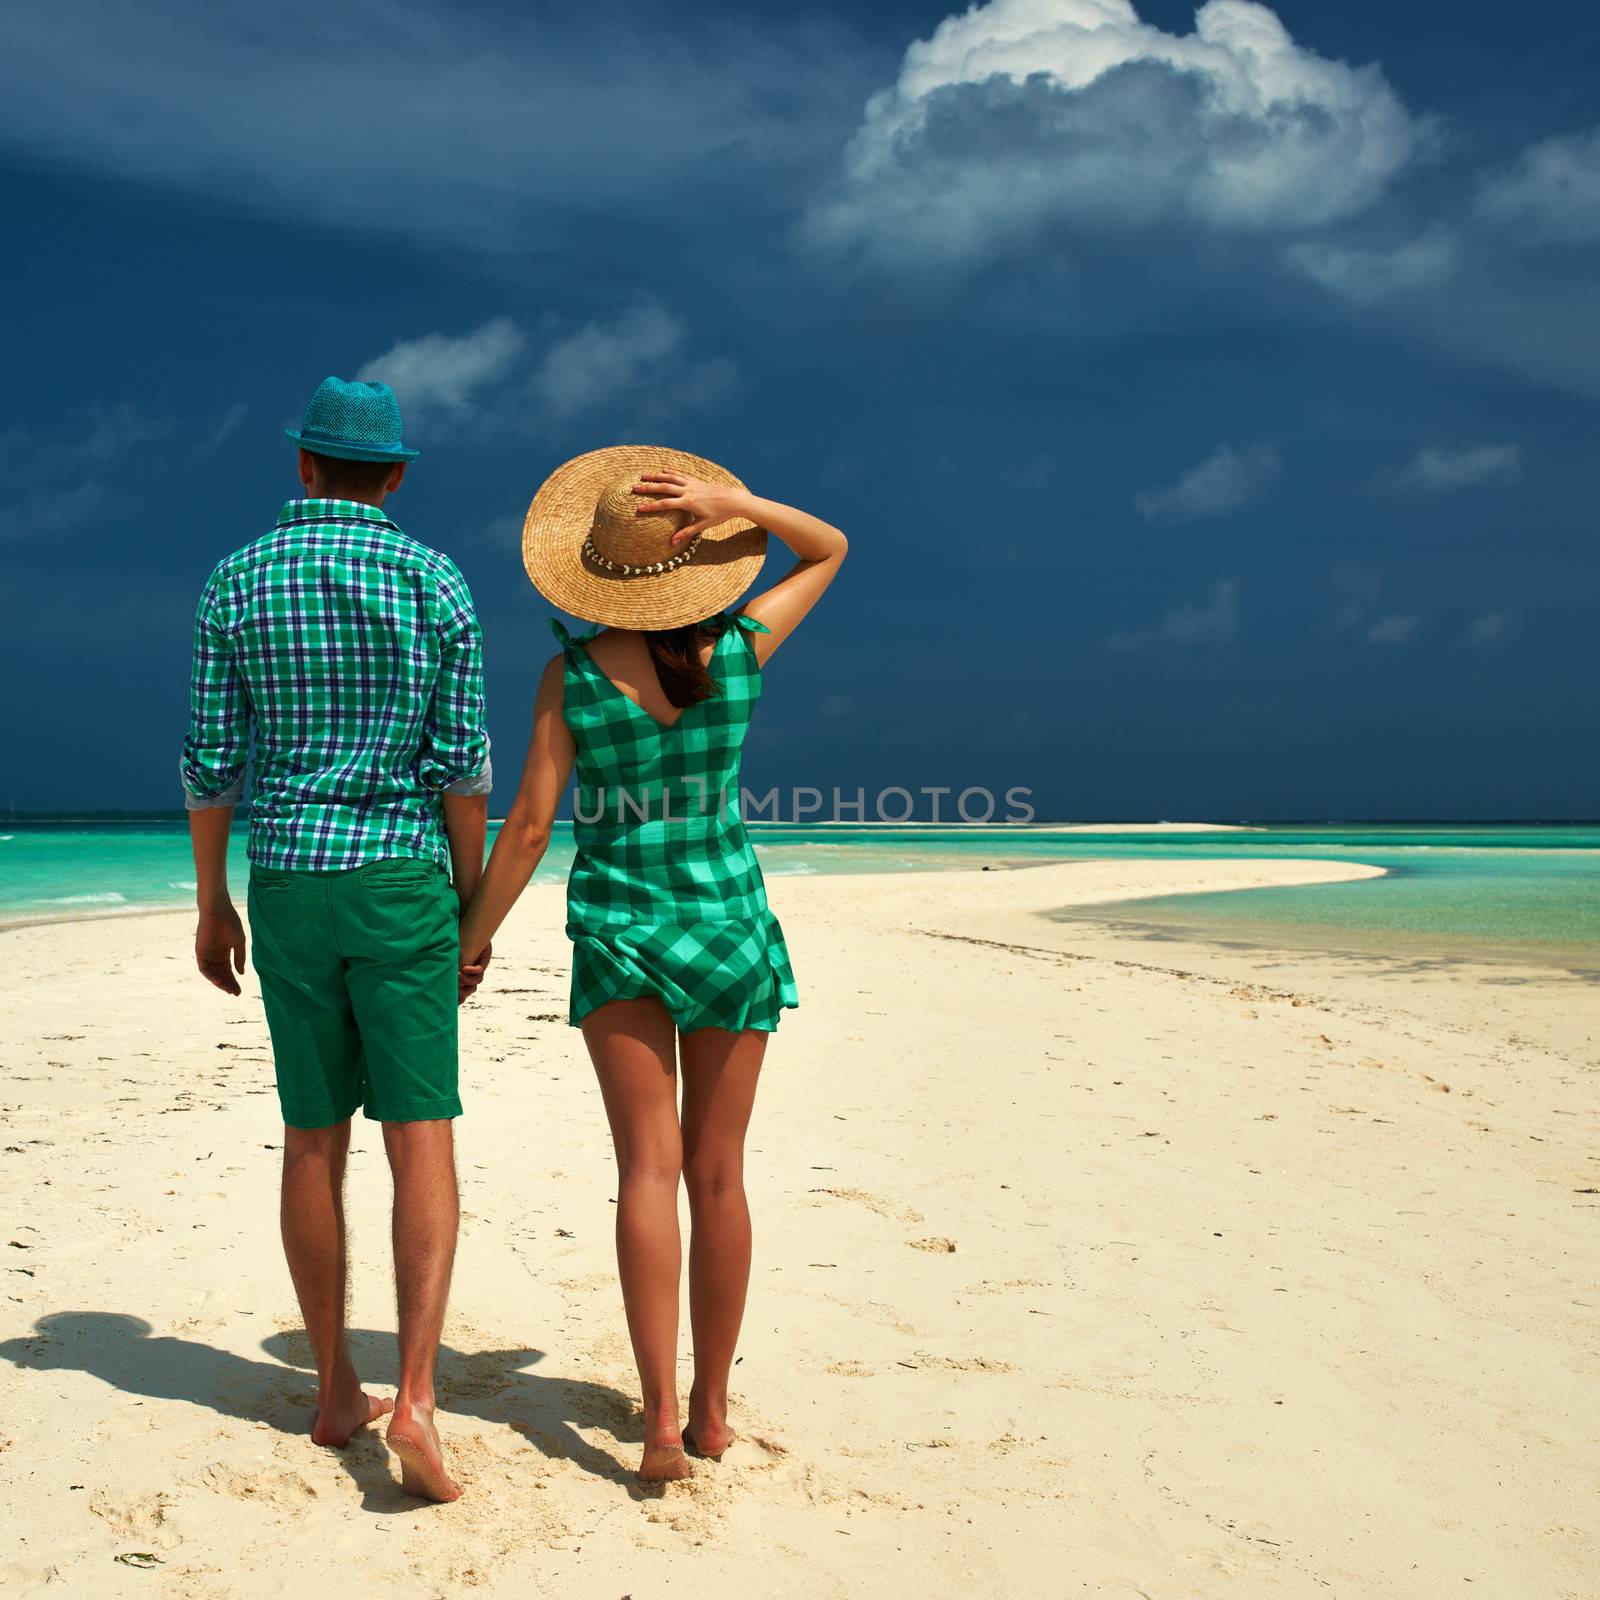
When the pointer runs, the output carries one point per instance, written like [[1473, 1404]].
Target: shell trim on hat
[[602, 553]]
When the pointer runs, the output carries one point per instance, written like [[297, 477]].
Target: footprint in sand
[[872, 1202], [142, 1520], [267, 1485], [964, 1363]]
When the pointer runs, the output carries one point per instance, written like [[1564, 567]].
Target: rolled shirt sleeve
[[217, 745], [454, 758]]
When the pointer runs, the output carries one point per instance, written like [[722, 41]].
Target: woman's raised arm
[[820, 546]]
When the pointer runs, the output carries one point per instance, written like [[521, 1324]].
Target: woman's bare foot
[[664, 1460], [708, 1433], [414, 1439], [344, 1410], [664, 1463], [710, 1443]]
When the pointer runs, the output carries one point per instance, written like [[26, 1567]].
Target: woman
[[676, 957]]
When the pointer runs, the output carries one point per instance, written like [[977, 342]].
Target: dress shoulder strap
[[748, 624], [570, 643]]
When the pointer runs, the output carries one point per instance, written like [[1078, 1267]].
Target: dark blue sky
[[1211, 407]]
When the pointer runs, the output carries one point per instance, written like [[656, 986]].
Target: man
[[353, 655]]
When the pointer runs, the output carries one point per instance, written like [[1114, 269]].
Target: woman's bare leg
[[720, 1070], [632, 1044]]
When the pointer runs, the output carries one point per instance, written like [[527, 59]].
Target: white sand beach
[[1084, 1265]]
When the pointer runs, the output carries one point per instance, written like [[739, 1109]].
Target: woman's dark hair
[[676, 654]]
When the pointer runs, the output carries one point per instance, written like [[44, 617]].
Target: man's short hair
[[351, 479]]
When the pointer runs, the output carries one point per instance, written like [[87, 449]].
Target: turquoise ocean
[[1518, 891]]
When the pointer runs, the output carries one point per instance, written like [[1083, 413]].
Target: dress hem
[[576, 1020]]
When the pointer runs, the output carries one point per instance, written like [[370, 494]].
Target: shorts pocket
[[402, 874], [273, 880]]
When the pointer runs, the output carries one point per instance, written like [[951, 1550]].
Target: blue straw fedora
[[352, 422]]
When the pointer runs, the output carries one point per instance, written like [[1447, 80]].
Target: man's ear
[[308, 469], [396, 478]]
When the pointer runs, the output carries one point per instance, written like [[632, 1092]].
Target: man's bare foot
[[414, 1439], [342, 1412]]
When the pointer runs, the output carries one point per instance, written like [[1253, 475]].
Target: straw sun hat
[[590, 550]]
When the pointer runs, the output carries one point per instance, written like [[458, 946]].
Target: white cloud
[[1435, 471], [636, 365], [1030, 472], [1368, 276], [40, 516], [498, 533], [59, 471], [121, 428], [1221, 483], [504, 122], [640, 357], [1212, 620], [1464, 280], [1551, 191], [439, 379], [93, 437], [1489, 629], [228, 425], [96, 610], [1020, 115], [1395, 628]]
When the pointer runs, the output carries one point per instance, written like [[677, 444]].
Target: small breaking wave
[[109, 898]]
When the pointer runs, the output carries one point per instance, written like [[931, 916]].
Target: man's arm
[[466, 825], [219, 939], [215, 751], [217, 744], [454, 759]]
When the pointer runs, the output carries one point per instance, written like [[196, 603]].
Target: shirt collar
[[317, 510]]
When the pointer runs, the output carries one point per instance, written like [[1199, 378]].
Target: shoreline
[[1389, 947], [1360, 870], [1552, 940]]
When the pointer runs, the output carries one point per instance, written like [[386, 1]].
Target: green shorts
[[358, 975]]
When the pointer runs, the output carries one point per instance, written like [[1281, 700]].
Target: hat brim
[[725, 562], [347, 452]]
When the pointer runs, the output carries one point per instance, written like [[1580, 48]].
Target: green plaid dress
[[665, 896]]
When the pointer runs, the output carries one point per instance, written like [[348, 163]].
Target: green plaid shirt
[[353, 655]]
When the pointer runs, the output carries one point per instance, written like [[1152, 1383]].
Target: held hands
[[219, 948], [470, 973], [705, 504]]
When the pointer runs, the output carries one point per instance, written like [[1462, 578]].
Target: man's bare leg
[[426, 1218], [312, 1219]]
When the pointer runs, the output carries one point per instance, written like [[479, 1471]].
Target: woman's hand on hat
[[706, 504]]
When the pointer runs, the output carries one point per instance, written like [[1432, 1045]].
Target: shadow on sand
[[490, 1385]]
